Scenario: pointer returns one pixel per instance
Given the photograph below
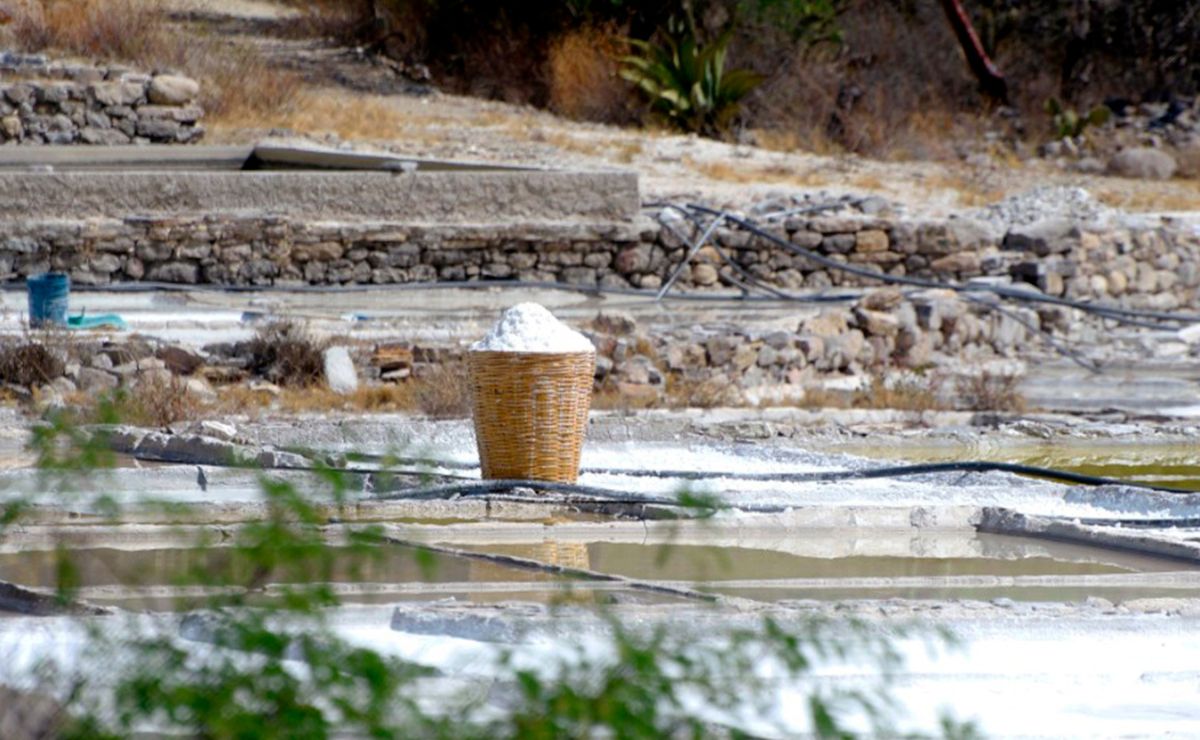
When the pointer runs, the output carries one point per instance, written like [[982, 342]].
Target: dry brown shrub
[[707, 393], [159, 400], [239, 86], [106, 29], [906, 392], [988, 391], [442, 392], [1189, 161], [914, 391], [29, 364], [156, 400], [287, 353], [583, 74]]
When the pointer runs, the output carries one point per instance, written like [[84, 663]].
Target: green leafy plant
[[687, 83], [1068, 122]]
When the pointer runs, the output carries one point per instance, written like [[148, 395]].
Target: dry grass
[[590, 147], [106, 29], [582, 71], [158, 400], [905, 392], [155, 401], [626, 150], [1176, 195], [442, 394], [971, 189], [726, 171], [990, 391], [703, 394], [1189, 161], [610, 398], [351, 116], [238, 85]]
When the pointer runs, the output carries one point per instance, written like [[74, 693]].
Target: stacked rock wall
[[55, 103], [1148, 268]]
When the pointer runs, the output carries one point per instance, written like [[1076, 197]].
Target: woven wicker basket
[[530, 412]]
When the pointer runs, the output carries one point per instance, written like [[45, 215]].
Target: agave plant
[[688, 84]]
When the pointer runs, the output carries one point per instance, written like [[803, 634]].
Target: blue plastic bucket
[[48, 296]]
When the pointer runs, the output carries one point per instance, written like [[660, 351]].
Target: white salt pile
[[528, 327]]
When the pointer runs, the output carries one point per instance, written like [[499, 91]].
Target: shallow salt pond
[[1173, 465], [946, 564]]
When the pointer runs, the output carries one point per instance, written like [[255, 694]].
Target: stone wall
[[44, 102], [1149, 268]]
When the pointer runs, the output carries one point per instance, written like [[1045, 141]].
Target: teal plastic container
[[48, 297]]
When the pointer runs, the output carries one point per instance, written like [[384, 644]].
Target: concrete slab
[[418, 197]]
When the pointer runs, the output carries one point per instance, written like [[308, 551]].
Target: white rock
[[214, 429], [202, 391], [1167, 350], [1190, 334], [173, 90], [1144, 162], [339, 371]]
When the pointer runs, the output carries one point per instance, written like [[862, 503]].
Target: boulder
[[173, 90], [877, 323], [1044, 237], [828, 323], [116, 93], [961, 263], [1142, 162], [871, 240], [637, 394], [179, 360], [175, 272], [614, 322], [704, 274], [10, 127], [91, 380], [882, 299]]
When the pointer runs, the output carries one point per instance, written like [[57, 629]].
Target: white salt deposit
[[1043, 202], [528, 327]]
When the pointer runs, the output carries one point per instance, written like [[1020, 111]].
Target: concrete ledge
[[1145, 542], [443, 197]]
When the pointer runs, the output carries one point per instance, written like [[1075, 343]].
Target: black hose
[[824, 476], [899, 471], [1059, 346], [594, 494], [1113, 312], [575, 494]]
